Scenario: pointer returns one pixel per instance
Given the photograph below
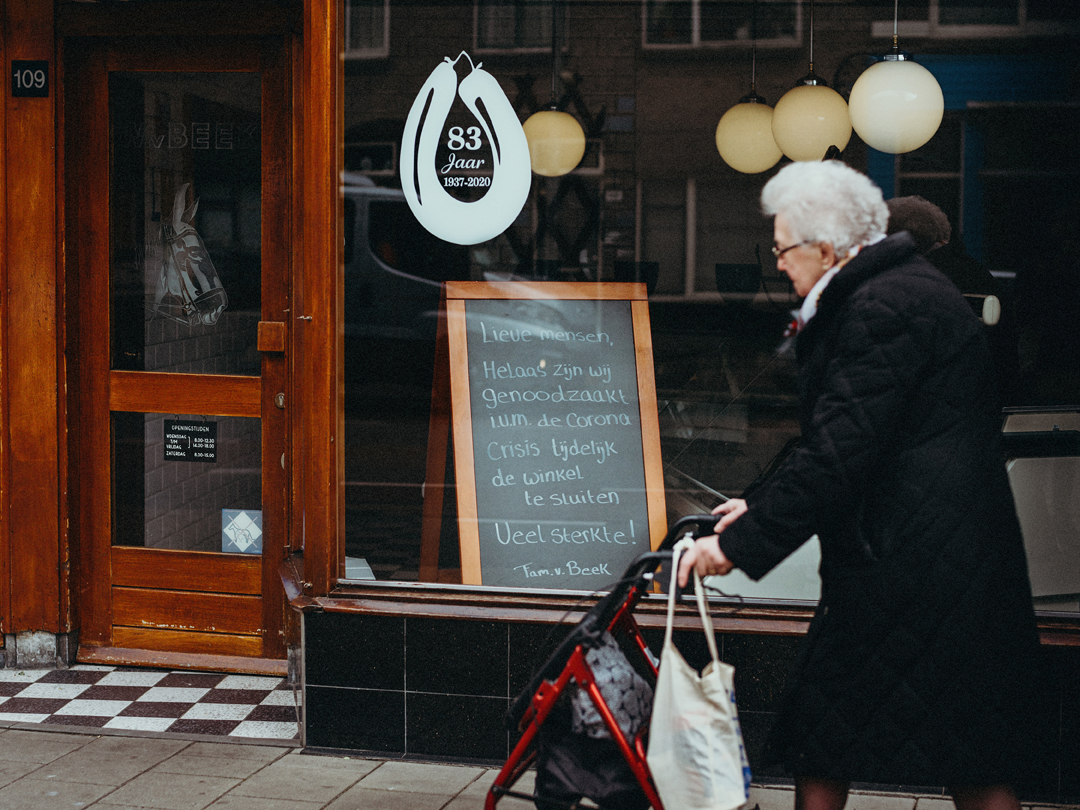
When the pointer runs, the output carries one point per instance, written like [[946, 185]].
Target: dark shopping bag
[[571, 765]]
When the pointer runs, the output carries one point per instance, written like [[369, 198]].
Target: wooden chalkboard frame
[[451, 411]]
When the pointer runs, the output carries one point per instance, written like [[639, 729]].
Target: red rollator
[[610, 769]]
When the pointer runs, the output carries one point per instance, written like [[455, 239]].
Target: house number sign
[[29, 78]]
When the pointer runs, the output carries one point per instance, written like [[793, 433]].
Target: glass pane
[[665, 233], [516, 24], [1008, 136], [366, 25], [187, 482], [978, 12], [726, 387], [913, 10], [1052, 10], [944, 192], [738, 21], [733, 240], [185, 222], [534, 25], [669, 22], [941, 154], [497, 26]]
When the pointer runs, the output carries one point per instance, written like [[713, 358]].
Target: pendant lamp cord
[[554, 52], [811, 36], [895, 17], [753, 48]]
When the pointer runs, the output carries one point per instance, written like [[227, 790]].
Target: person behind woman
[[934, 239], [916, 667], [930, 228]]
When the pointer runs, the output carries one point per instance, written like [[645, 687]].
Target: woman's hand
[[706, 556], [731, 510]]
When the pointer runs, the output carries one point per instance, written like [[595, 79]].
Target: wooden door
[[177, 184]]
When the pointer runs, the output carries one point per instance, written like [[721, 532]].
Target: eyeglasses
[[778, 252]]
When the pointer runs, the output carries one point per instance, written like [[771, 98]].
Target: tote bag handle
[[699, 592]]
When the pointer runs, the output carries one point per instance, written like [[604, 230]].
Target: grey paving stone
[[30, 793], [772, 798], [306, 778], [230, 801], [934, 803], [418, 777], [473, 803], [262, 753], [219, 760], [168, 791], [361, 798], [111, 760], [10, 771], [479, 786], [880, 801], [36, 746]]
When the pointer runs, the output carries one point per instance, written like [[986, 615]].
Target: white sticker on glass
[[459, 221]]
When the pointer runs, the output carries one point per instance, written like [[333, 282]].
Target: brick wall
[[184, 499]]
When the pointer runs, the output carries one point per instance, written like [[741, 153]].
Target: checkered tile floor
[[151, 700]]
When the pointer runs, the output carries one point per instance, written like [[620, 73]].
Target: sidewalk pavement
[[57, 768]]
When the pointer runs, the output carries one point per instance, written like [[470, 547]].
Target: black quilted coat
[[917, 664]]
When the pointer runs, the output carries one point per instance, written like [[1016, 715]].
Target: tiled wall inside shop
[[226, 347], [184, 499], [430, 687]]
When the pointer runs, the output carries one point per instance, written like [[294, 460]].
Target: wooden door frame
[[96, 390]]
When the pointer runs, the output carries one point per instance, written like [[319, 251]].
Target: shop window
[[980, 18], [516, 25], [700, 23], [367, 29], [655, 204]]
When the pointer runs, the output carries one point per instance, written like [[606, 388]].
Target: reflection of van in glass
[[394, 270], [393, 267]]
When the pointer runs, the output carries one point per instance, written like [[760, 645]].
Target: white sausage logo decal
[[451, 219]]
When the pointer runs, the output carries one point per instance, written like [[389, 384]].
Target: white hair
[[826, 201]]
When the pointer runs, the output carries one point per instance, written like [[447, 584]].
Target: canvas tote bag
[[696, 752]]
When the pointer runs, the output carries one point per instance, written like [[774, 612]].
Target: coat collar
[[870, 261]]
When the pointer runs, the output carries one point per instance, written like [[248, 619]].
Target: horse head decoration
[[189, 289]]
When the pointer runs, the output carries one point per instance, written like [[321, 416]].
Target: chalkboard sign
[[556, 438]]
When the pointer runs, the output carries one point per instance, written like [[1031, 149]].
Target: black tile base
[[361, 652], [456, 657], [456, 725], [441, 688], [357, 719]]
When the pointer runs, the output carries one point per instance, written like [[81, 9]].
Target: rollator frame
[[612, 613]]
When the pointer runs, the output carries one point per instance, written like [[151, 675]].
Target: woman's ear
[[828, 255]]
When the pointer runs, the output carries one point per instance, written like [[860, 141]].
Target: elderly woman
[[917, 663]]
